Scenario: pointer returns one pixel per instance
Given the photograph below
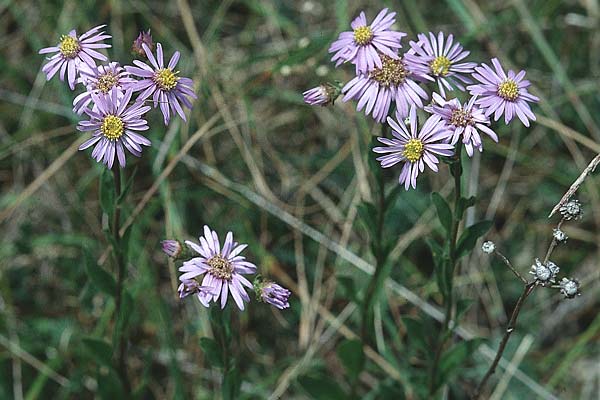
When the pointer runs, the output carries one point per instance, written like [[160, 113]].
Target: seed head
[[569, 287], [544, 274], [488, 247], [571, 210], [559, 235]]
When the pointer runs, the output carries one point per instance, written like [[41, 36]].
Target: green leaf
[[99, 349], [231, 384], [109, 385], [443, 211], [127, 187], [457, 355], [368, 215], [416, 333], [212, 352], [351, 354], [101, 279], [469, 237], [391, 197], [462, 306], [107, 192], [464, 204], [348, 287], [439, 264], [322, 387]]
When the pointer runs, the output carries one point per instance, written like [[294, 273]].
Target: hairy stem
[[379, 269], [118, 252], [509, 330], [449, 296]]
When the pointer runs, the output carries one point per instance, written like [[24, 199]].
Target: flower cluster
[[390, 82], [114, 114], [221, 270]]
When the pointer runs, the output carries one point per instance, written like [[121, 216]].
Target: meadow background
[[287, 179]]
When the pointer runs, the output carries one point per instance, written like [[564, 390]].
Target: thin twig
[[589, 169], [509, 265], [509, 330]]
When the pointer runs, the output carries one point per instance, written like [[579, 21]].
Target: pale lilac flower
[[464, 121], [73, 51], [113, 124], [172, 248], [162, 83], [143, 38], [100, 79], [364, 45], [274, 294], [222, 269], [323, 95], [191, 286], [440, 61], [377, 90], [415, 148], [500, 93]]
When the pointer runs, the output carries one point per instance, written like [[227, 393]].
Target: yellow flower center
[[508, 90], [69, 46], [440, 66], [112, 127], [106, 82], [363, 35], [460, 117], [392, 72], [220, 267], [166, 79], [413, 150]]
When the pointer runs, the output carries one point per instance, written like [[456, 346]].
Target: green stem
[[374, 283], [378, 277], [121, 340], [448, 296]]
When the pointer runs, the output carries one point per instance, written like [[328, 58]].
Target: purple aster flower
[[172, 248], [191, 286], [274, 294], [376, 90], [365, 44], [322, 95], [162, 83], [73, 51], [500, 93], [113, 125], [143, 38], [222, 269], [463, 120], [100, 79], [414, 147], [431, 56]]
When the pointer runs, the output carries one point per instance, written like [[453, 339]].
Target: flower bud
[[322, 95], [143, 38], [272, 293], [172, 248]]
